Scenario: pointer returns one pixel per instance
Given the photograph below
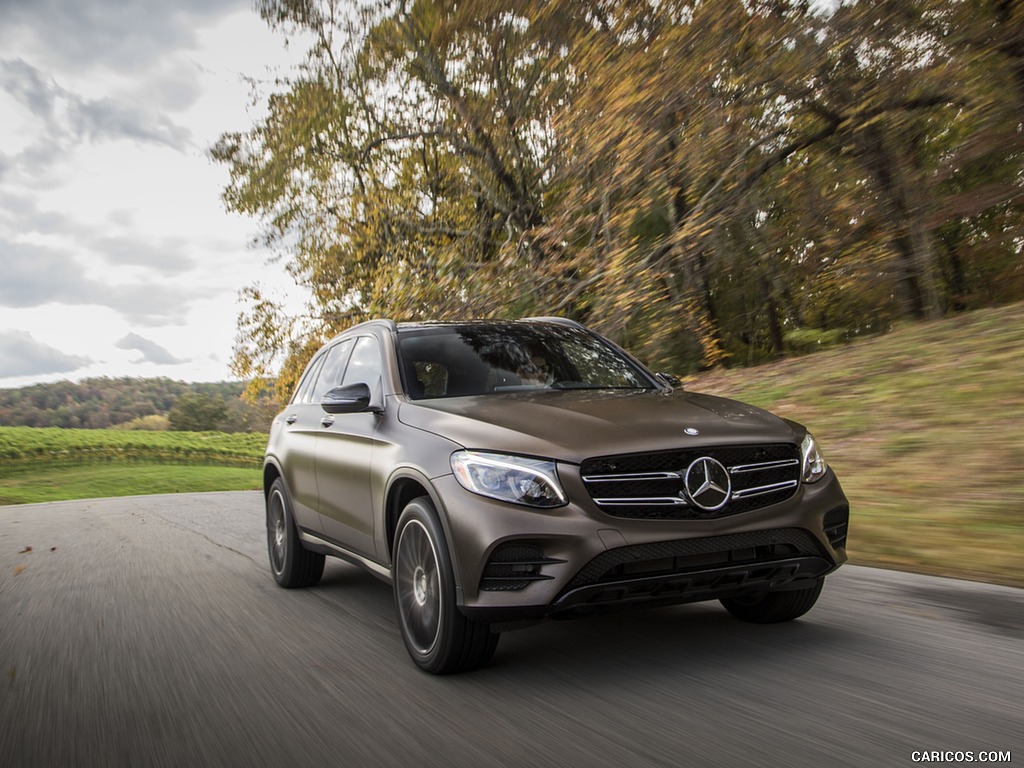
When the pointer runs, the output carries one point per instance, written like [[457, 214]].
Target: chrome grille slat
[[746, 493], [632, 477], [763, 466], [654, 500]]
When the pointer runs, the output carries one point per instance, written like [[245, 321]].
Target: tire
[[774, 607], [439, 638], [293, 566]]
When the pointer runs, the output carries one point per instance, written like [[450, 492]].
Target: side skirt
[[316, 543]]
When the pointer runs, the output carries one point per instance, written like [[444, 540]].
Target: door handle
[[292, 419], [326, 421]]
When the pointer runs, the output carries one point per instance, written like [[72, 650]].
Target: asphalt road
[[147, 631]]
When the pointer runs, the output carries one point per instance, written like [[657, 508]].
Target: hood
[[572, 426]]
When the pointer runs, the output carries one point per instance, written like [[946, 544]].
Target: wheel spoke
[[417, 582], [277, 533]]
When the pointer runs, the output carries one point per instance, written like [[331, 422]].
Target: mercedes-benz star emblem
[[708, 484]]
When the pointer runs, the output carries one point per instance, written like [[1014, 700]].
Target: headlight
[[533, 482], [814, 465]]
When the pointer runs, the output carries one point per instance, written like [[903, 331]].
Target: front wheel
[[774, 607], [438, 637]]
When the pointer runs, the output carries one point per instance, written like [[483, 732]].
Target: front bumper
[[516, 563]]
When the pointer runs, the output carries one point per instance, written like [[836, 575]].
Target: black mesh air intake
[[513, 566], [836, 524]]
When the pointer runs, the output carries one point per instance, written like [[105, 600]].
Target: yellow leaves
[[651, 166]]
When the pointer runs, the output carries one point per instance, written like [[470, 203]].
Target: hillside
[[100, 403], [925, 427]]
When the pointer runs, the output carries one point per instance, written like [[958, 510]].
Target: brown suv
[[500, 473]]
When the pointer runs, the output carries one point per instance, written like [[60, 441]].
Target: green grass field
[[39, 465], [25, 445], [30, 485]]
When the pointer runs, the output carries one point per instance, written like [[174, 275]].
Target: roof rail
[[558, 320]]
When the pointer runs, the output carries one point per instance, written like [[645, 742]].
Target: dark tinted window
[[450, 361]]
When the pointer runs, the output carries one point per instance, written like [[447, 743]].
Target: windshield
[[461, 360]]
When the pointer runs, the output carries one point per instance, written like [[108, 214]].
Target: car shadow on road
[[612, 647], [659, 640]]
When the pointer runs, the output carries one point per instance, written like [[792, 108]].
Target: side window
[[302, 391], [332, 370], [364, 367]]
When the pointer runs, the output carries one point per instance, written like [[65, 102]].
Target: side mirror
[[354, 398], [669, 380]]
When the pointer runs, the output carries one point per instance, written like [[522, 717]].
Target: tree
[[196, 412], [699, 180], [404, 168]]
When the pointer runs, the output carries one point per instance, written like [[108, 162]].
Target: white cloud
[[67, 119], [118, 35], [27, 85], [37, 275], [22, 355], [151, 351]]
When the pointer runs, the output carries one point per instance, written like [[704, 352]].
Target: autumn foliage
[[705, 182]]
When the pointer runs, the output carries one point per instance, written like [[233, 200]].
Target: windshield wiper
[[584, 385]]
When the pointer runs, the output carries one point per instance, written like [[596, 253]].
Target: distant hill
[[102, 403]]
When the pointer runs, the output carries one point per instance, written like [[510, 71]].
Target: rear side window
[[305, 388]]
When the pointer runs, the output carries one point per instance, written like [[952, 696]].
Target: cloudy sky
[[116, 255]]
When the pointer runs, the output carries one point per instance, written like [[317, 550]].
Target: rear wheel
[[774, 607], [292, 565], [438, 637]]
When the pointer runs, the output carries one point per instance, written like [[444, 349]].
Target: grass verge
[[29, 485]]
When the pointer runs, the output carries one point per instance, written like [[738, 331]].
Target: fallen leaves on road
[[26, 550]]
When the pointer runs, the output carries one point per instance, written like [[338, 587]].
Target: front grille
[[678, 557], [513, 566], [651, 486]]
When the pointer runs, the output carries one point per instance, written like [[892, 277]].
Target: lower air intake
[[514, 566]]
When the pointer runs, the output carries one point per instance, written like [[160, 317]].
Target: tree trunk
[[911, 243], [774, 326]]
